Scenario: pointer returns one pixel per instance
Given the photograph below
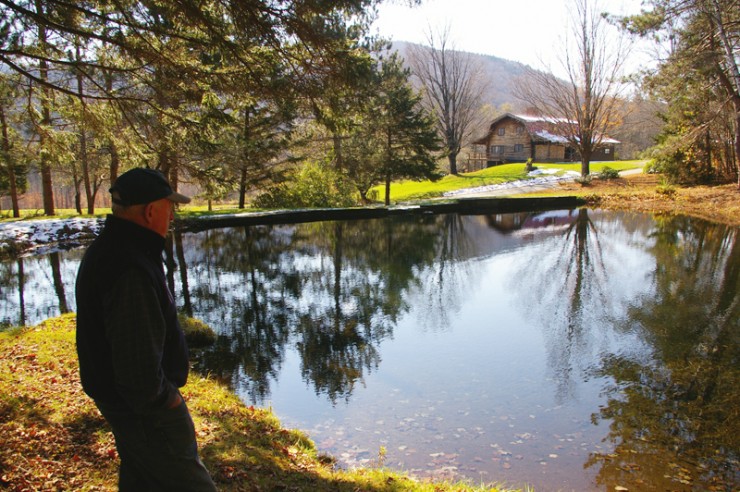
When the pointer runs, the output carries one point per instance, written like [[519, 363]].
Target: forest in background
[[252, 99]]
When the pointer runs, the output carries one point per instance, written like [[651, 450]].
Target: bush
[[608, 173], [583, 180], [197, 333], [651, 167], [314, 185], [665, 188], [684, 164]]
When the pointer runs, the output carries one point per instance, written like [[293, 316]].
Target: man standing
[[132, 352]]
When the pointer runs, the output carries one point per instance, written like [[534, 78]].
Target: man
[[133, 356]]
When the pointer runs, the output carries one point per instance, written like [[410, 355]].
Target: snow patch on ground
[[540, 178], [30, 236]]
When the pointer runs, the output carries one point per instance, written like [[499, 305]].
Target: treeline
[[293, 102], [698, 81], [227, 95]]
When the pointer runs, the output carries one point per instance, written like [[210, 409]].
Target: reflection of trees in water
[[565, 279], [13, 281], [56, 275], [36, 287], [443, 284], [235, 281], [674, 419], [354, 300], [335, 289]]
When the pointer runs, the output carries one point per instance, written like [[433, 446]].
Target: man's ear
[[148, 212]]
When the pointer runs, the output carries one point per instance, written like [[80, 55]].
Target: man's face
[[160, 214]]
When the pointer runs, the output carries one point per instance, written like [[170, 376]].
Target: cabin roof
[[538, 127]]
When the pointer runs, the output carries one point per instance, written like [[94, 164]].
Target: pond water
[[566, 350]]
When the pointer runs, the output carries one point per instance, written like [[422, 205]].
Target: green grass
[[403, 191], [59, 213]]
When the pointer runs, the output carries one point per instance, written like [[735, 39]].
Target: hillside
[[501, 73]]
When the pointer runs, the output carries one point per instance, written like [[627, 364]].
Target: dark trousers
[[158, 452]]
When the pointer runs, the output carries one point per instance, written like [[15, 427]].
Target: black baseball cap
[[142, 185]]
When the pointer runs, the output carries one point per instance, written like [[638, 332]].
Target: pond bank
[[44, 235], [53, 438], [475, 205]]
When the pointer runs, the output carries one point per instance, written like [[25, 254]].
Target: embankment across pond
[[466, 206]]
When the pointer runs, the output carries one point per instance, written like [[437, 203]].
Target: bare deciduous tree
[[584, 106], [453, 86]]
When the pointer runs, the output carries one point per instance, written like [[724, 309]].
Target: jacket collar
[[127, 232]]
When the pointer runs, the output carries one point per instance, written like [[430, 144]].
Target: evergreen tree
[[397, 138], [699, 80]]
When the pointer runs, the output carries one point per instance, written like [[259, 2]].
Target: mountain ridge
[[501, 73]]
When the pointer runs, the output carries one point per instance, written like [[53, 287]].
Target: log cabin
[[517, 138]]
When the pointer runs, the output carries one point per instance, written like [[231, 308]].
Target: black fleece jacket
[[131, 349]]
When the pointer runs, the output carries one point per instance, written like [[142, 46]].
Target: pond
[[567, 350]]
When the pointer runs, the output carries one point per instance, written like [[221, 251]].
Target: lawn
[[402, 191]]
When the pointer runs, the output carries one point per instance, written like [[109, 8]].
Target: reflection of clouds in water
[[577, 283], [442, 287]]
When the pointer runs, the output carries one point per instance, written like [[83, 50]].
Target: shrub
[[197, 333], [583, 180], [651, 167], [683, 163], [608, 173], [665, 188], [314, 185]]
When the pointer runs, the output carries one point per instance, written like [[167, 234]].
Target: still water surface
[[569, 350]]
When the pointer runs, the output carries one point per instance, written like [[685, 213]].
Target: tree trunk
[[78, 197], [737, 146], [45, 164], [452, 159], [388, 189], [243, 187], [585, 168], [83, 140], [115, 160], [338, 157], [9, 162], [585, 162], [86, 173]]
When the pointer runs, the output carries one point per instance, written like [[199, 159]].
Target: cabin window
[[519, 130], [502, 131], [497, 149], [606, 151], [518, 147]]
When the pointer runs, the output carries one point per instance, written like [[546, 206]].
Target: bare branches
[[587, 101], [453, 88]]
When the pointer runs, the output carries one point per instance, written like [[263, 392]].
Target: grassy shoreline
[[53, 438]]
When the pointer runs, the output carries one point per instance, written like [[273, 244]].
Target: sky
[[525, 31]]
